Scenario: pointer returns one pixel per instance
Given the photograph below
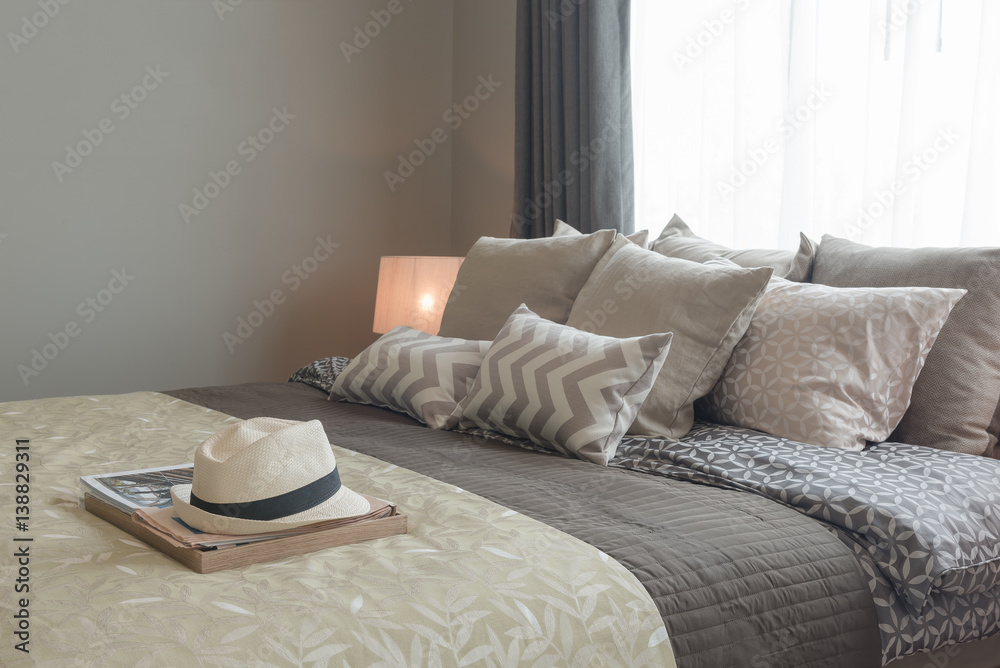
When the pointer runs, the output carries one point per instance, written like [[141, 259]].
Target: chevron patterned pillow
[[412, 372], [562, 388]]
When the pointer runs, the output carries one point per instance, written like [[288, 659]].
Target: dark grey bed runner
[[738, 579]]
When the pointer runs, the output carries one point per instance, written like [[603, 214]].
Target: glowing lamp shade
[[413, 291]]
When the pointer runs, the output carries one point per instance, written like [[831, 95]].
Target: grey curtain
[[573, 117]]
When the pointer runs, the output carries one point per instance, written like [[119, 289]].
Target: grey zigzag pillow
[[562, 388], [412, 372]]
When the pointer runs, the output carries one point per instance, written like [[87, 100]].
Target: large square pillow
[[564, 389], [677, 240], [412, 372], [500, 274], [829, 366], [640, 238], [956, 395], [708, 308]]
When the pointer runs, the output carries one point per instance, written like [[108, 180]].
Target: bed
[[736, 578], [728, 546]]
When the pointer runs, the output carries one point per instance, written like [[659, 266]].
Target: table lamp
[[413, 291]]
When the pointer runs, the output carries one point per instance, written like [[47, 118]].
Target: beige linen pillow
[[955, 397], [708, 309], [677, 240], [499, 274], [412, 372], [564, 389], [829, 366], [640, 238]]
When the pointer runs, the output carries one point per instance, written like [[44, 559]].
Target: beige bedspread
[[473, 583]]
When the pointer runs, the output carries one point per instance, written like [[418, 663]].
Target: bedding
[[563, 229], [562, 388], [707, 309], [472, 583], [678, 240], [322, 373], [419, 374], [500, 274], [738, 579], [922, 523], [955, 399], [963, 608], [829, 366]]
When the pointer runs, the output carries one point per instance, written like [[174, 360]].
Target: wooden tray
[[209, 560]]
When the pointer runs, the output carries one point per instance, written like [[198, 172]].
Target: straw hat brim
[[345, 503]]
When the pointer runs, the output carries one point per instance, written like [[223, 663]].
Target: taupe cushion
[[412, 372], [564, 389], [677, 240], [640, 238], [500, 274], [956, 395], [708, 309], [829, 366]]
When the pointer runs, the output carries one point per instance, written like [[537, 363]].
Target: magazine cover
[[144, 488]]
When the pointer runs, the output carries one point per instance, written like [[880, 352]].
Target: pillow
[[677, 240], [708, 309], [411, 372], [499, 274], [956, 395], [561, 388], [640, 238], [829, 366]]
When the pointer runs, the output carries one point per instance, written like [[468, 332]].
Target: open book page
[[143, 488]]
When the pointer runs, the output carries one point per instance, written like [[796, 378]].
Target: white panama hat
[[265, 474]]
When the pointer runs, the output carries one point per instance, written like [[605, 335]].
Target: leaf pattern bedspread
[[472, 584]]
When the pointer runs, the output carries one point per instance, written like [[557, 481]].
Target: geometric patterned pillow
[[412, 372], [955, 398], [322, 373], [829, 366], [562, 388]]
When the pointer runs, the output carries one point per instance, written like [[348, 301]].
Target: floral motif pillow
[[829, 366]]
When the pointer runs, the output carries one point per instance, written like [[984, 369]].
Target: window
[[874, 120]]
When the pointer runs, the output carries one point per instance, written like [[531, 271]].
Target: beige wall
[[322, 176], [171, 319], [483, 152]]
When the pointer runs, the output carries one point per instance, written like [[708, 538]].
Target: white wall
[[322, 176]]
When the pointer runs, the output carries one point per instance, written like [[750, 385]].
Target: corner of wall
[[483, 41]]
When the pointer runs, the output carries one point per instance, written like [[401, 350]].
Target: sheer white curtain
[[873, 120]]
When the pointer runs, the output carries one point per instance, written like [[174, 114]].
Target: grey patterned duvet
[[924, 523]]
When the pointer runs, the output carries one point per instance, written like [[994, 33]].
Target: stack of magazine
[[145, 495]]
